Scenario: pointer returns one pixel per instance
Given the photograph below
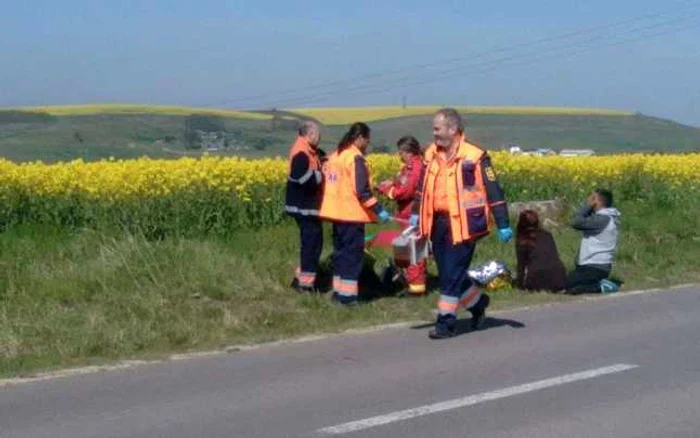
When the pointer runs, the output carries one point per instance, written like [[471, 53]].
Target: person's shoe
[[445, 327], [608, 287], [294, 284], [342, 301], [478, 311]]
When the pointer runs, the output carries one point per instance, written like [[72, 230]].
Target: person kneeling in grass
[[599, 221]]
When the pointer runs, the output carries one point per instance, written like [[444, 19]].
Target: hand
[[505, 234], [384, 187], [413, 221], [591, 201]]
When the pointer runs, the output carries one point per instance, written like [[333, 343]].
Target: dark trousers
[[585, 279], [348, 256], [456, 288], [311, 238]]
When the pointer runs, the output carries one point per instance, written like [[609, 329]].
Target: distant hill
[[126, 131], [344, 116], [163, 110]]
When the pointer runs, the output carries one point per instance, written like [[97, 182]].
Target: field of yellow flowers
[[223, 194], [347, 115], [113, 108]]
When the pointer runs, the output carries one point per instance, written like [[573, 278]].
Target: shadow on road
[[463, 325]]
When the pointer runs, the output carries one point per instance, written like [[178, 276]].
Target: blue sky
[[267, 53]]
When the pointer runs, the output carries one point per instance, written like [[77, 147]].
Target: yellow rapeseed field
[[343, 116], [228, 193]]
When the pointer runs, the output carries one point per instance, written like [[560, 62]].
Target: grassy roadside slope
[[75, 298]]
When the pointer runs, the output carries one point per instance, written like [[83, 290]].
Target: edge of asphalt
[[125, 364]]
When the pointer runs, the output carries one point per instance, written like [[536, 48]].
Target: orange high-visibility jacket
[[302, 146], [469, 207], [341, 201], [304, 180]]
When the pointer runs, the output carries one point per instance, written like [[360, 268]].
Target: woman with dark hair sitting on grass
[[538, 264]]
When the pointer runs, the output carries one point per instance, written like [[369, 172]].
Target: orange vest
[[340, 198], [441, 197], [301, 145], [468, 206]]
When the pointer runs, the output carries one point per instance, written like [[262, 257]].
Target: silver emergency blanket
[[485, 273]]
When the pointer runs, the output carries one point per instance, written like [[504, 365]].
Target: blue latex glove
[[384, 216], [505, 234], [413, 221]]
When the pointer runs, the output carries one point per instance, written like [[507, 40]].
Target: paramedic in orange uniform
[[302, 202], [459, 195], [403, 190], [348, 202]]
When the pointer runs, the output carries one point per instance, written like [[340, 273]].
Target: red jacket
[[403, 188]]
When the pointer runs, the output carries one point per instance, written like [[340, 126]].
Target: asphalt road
[[627, 366]]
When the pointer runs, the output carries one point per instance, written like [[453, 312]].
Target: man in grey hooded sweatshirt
[[600, 223]]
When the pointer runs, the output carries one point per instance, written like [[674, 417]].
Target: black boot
[[478, 311], [445, 327]]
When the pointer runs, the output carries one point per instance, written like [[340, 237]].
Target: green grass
[[122, 136], [82, 297], [128, 135]]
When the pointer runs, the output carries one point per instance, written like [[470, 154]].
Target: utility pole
[[273, 122]]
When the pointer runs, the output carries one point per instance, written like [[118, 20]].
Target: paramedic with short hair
[[460, 193]]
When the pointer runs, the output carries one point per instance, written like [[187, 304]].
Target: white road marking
[[472, 400]]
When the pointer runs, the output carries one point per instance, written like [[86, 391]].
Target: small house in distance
[[539, 152], [576, 152]]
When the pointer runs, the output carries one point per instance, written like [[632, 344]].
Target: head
[[600, 198], [408, 148], [311, 132], [447, 127], [528, 224], [358, 135]]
